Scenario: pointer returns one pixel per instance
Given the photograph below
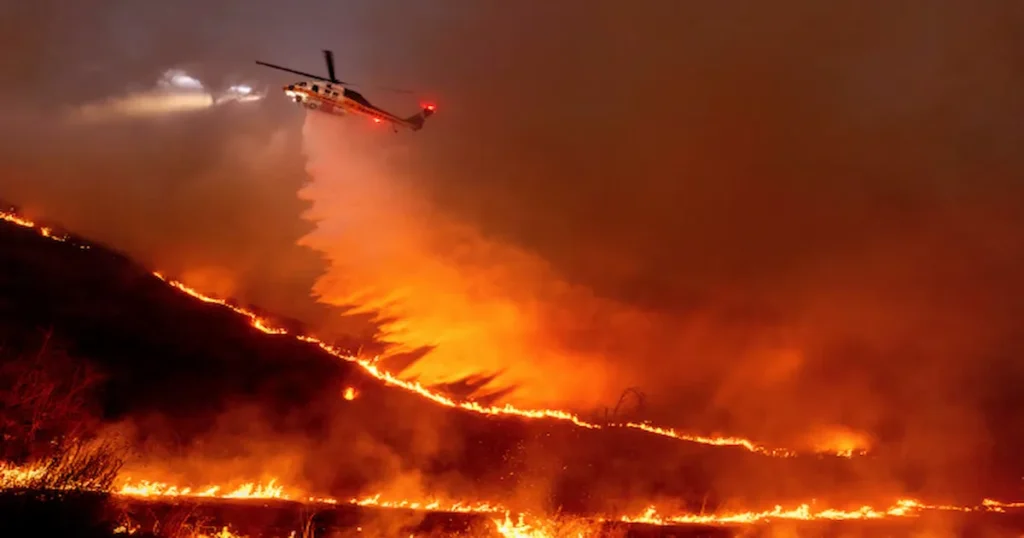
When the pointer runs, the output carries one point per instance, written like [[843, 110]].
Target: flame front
[[370, 367], [248, 490], [524, 525]]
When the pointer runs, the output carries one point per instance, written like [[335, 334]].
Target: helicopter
[[336, 97]]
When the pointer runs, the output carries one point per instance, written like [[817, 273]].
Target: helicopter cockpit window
[[303, 84]]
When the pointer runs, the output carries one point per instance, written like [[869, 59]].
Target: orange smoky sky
[[781, 220]]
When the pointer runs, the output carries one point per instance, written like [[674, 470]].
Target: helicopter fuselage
[[337, 100], [332, 96]]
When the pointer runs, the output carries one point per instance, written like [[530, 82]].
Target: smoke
[[324, 446], [179, 182], [143, 127], [147, 104], [176, 92], [483, 307], [799, 223], [748, 364]]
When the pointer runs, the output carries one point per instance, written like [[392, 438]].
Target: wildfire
[[513, 525], [508, 525], [249, 490], [526, 525], [719, 441], [902, 507], [432, 505], [11, 217], [21, 221], [999, 506], [370, 366], [521, 529], [13, 477], [272, 490]]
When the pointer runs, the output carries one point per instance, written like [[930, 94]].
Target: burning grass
[[55, 468]]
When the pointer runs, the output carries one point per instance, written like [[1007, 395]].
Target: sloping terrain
[[209, 397]]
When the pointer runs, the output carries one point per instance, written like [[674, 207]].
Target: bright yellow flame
[[248, 490]]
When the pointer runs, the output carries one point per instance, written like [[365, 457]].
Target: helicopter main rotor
[[333, 79]]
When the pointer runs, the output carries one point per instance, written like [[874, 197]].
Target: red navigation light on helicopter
[[430, 107]]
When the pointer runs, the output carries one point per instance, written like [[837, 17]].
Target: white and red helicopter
[[335, 97]]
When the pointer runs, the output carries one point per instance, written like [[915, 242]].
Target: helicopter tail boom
[[416, 122]]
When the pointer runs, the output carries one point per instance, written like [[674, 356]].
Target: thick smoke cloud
[[204, 193], [811, 211], [817, 206]]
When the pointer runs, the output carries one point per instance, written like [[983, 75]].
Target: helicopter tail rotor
[[417, 121]]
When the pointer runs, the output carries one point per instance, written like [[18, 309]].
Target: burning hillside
[[213, 396], [211, 367]]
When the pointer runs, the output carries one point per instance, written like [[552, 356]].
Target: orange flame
[[370, 367], [525, 525], [650, 516], [249, 490]]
